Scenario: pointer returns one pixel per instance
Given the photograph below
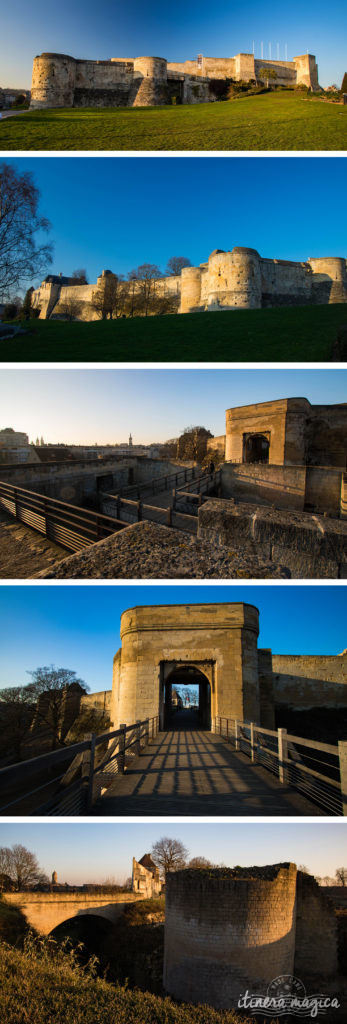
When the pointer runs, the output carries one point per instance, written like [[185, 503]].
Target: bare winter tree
[[21, 865], [79, 276], [109, 299], [132, 293], [147, 275], [200, 862], [341, 876], [192, 444], [22, 253], [70, 308], [175, 264], [16, 713], [169, 854], [52, 689]]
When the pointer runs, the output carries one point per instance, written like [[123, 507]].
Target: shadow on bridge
[[193, 772]]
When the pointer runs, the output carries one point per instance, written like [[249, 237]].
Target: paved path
[[194, 772]]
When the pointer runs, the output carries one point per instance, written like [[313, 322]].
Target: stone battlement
[[60, 80]]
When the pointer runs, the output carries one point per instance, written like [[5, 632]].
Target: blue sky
[[107, 213], [78, 627], [88, 406], [176, 32], [96, 851]]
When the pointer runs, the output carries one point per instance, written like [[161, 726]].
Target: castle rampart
[[60, 80], [239, 279], [228, 931]]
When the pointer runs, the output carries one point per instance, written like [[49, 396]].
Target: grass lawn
[[286, 334], [282, 120]]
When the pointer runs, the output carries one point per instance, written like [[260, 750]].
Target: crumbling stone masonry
[[62, 81], [228, 931]]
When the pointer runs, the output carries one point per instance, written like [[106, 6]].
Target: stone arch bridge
[[44, 911]]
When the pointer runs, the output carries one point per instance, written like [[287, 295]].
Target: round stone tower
[[151, 75], [53, 81], [234, 280], [335, 268], [228, 931], [190, 289]]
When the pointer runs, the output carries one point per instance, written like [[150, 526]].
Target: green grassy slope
[[277, 121], [36, 988], [290, 334]]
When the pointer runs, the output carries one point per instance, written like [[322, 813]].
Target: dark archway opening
[[256, 448], [187, 699]]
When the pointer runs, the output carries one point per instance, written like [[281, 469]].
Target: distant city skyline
[[78, 406], [111, 215], [78, 627], [177, 34], [98, 851]]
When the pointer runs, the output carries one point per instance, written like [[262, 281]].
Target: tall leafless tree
[[175, 264], [23, 255], [169, 854]]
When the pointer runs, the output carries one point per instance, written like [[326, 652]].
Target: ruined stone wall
[[307, 547], [211, 638], [316, 952], [308, 681], [224, 935]]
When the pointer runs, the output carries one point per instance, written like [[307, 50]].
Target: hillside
[[282, 120], [284, 334], [39, 986]]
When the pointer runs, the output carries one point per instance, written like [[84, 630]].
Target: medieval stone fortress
[[277, 501], [240, 279], [62, 81]]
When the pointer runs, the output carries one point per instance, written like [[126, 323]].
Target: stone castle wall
[[307, 681], [239, 279], [60, 80], [226, 935], [305, 488], [237, 931], [57, 301]]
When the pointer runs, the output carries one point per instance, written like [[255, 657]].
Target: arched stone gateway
[[212, 646], [195, 675]]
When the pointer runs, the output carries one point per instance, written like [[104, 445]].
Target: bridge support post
[[169, 516], [342, 747], [282, 755], [237, 735], [139, 511], [87, 769], [91, 772], [253, 746], [122, 748], [174, 498], [138, 736]]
